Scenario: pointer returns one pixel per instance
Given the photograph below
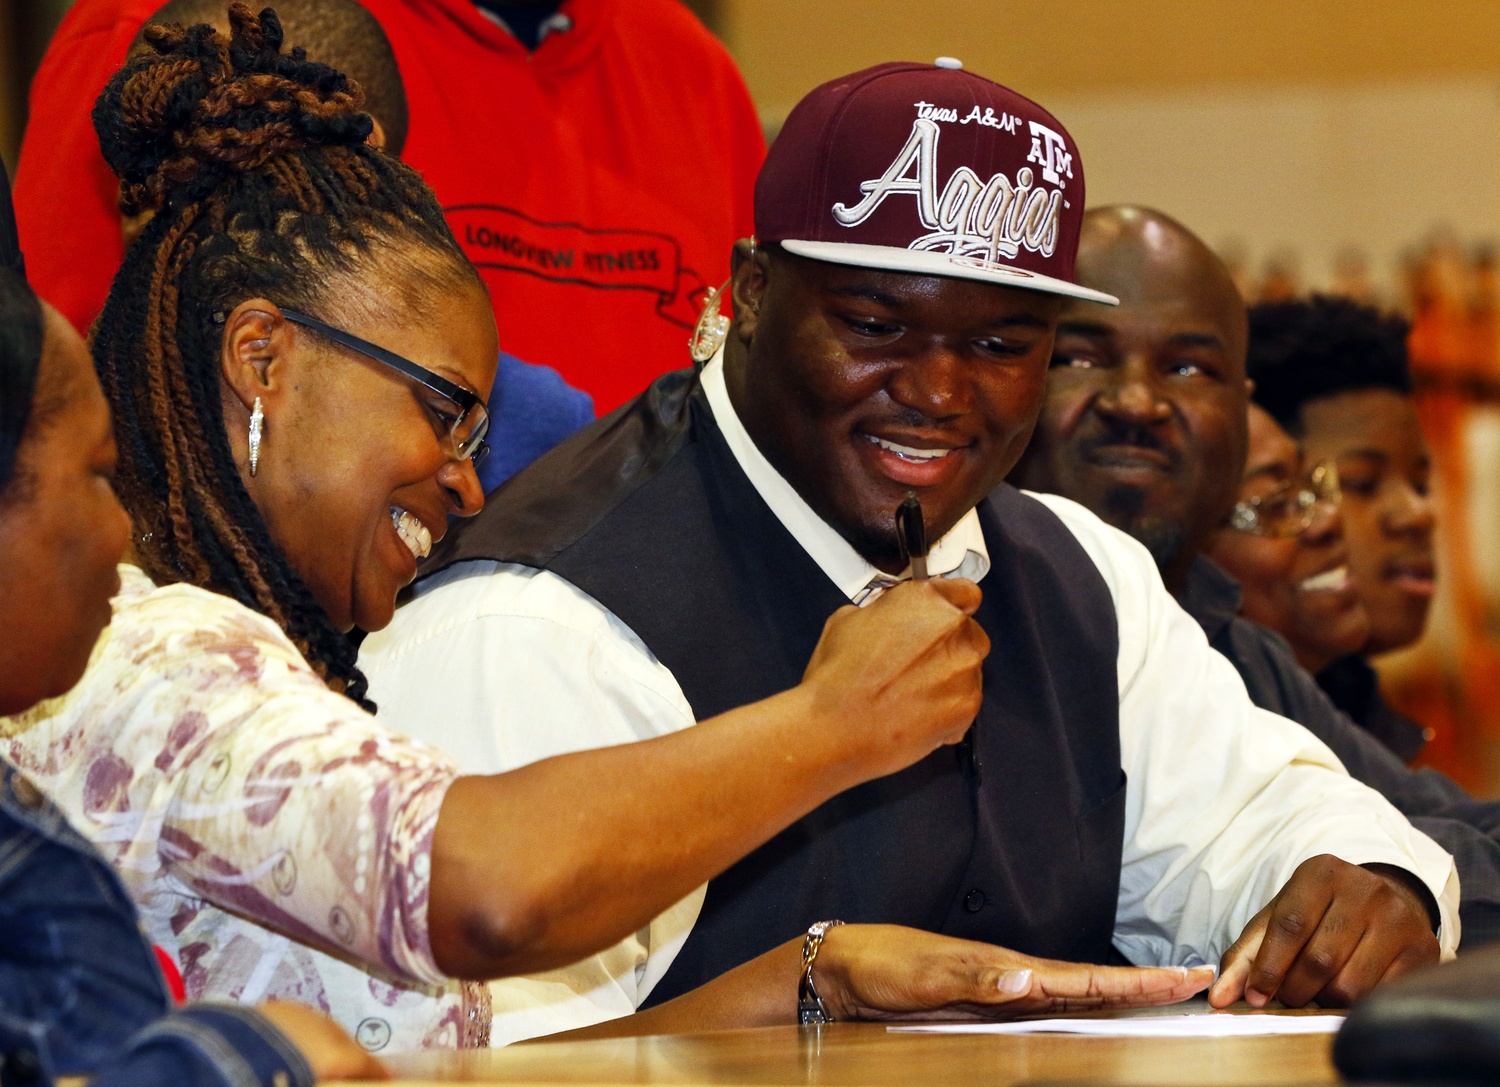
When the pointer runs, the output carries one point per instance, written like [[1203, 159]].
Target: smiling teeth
[[1331, 579], [412, 531], [906, 452]]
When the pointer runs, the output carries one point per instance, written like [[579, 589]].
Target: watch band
[[811, 1011]]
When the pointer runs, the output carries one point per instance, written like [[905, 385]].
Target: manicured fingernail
[[1256, 999], [1014, 981]]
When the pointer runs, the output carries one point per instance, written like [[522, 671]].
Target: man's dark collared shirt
[[1352, 685]]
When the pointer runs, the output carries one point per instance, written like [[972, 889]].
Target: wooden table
[[867, 1055]]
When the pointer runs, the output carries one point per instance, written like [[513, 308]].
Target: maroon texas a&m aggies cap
[[930, 170]]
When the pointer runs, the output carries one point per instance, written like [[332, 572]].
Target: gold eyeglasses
[[1291, 507]]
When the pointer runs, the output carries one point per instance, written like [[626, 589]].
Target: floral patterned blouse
[[276, 838]]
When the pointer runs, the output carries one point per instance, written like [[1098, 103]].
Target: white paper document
[[1210, 1025]]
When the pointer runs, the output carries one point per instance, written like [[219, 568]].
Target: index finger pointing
[[1295, 915], [1234, 968]]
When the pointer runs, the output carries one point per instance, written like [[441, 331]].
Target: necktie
[[871, 592]]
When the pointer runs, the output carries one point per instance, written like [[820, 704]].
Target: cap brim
[[920, 262]]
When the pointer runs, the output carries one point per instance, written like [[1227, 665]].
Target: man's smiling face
[[1144, 420], [861, 385]]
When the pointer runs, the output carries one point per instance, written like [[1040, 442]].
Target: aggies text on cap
[[931, 170]]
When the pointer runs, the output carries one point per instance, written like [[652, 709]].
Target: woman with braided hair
[[246, 213], [297, 356]]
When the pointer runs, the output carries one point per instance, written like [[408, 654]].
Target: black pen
[[911, 529]]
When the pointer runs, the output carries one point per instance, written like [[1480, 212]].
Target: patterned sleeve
[[210, 759]]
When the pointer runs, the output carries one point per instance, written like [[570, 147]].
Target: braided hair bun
[[195, 107]]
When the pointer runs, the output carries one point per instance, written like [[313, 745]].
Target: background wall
[[1103, 45]]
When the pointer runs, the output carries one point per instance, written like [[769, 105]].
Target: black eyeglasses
[[467, 430]]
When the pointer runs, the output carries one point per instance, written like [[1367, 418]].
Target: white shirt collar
[[960, 553]]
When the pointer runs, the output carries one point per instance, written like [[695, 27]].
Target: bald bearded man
[[1145, 423]]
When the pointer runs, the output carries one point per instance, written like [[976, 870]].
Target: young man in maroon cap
[[916, 232]]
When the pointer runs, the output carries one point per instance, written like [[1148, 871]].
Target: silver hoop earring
[[257, 422], [712, 328]]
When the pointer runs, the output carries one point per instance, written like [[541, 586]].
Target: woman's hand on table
[[892, 972]]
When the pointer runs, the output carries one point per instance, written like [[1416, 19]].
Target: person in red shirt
[[598, 180]]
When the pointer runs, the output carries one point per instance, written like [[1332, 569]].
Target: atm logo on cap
[[1050, 151], [972, 217]]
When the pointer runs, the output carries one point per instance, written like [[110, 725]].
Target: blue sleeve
[[209, 1045], [76, 976], [531, 409]]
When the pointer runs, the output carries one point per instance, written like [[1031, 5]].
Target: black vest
[[1012, 837]]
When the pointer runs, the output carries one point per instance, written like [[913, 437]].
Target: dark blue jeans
[[80, 989]]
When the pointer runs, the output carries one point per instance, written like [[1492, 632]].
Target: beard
[[1160, 534]]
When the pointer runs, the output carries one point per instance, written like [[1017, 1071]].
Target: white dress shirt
[[501, 664]]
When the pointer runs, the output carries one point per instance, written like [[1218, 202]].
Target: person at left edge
[[80, 990], [892, 329]]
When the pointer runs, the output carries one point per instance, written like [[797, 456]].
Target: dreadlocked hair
[[255, 164]]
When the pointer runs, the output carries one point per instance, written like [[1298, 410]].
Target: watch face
[[811, 1016]]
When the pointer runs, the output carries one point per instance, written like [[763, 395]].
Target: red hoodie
[[598, 182]]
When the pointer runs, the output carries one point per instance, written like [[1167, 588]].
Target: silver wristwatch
[[811, 1011]]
